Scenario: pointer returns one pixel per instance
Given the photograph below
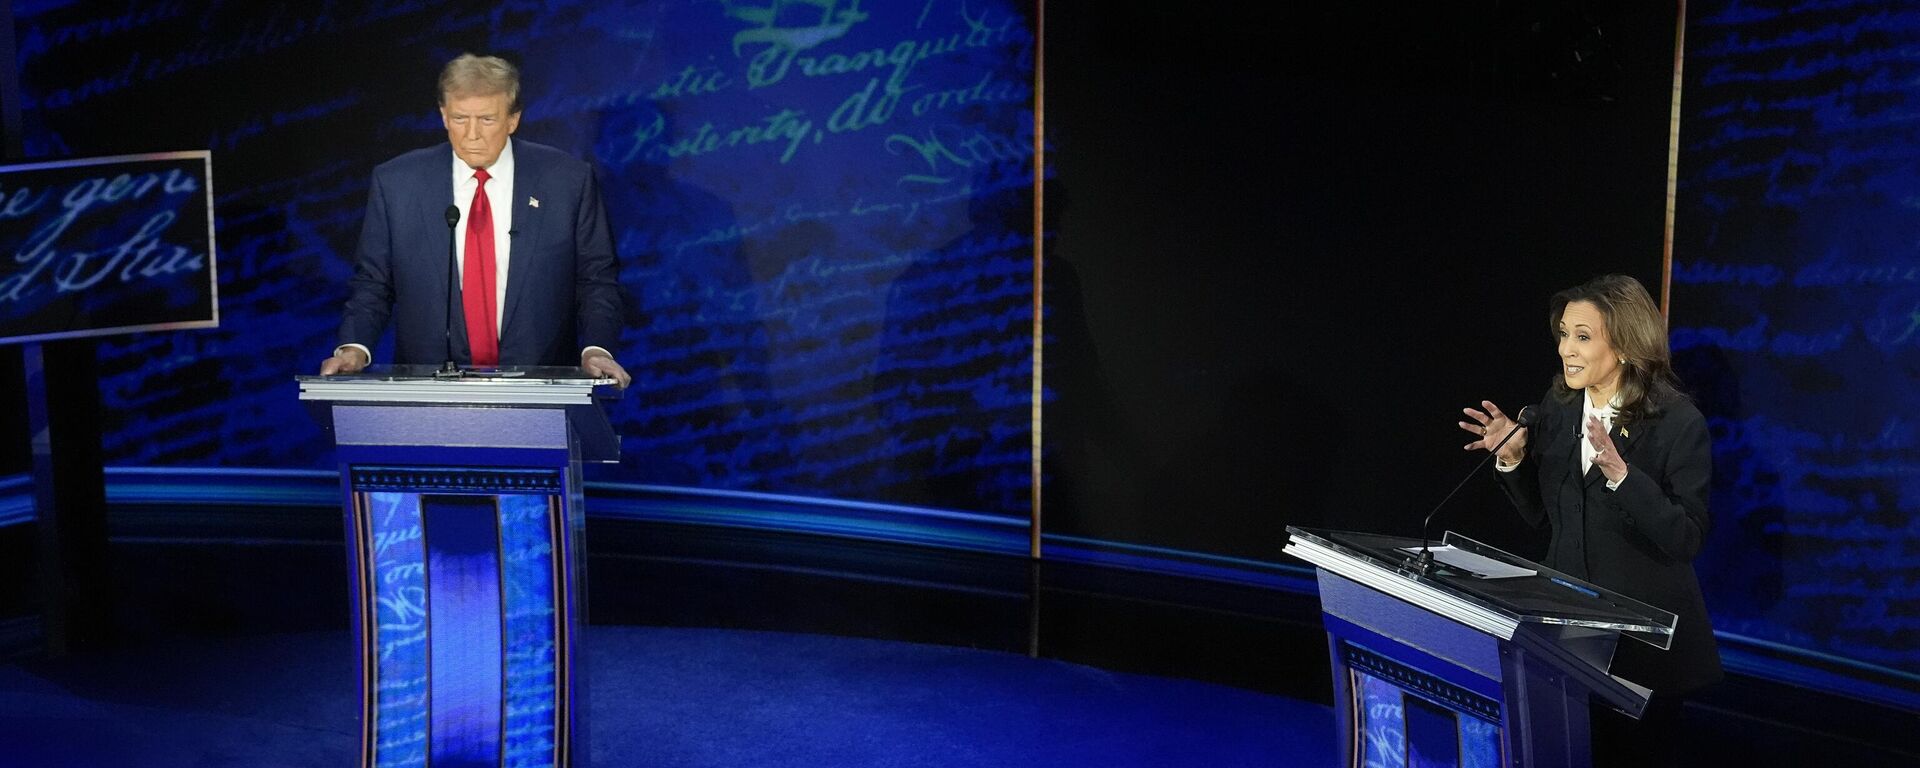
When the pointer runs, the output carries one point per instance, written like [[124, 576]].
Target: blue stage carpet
[[667, 697]]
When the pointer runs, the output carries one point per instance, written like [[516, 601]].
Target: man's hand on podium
[[345, 360], [599, 363]]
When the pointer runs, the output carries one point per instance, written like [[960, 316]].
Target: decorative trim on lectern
[[457, 480], [365, 623], [1429, 686]]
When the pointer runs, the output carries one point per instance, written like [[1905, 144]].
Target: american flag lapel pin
[[533, 202]]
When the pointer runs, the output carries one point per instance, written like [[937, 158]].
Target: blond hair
[[470, 75]]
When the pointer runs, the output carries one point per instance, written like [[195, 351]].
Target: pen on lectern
[[1573, 586]]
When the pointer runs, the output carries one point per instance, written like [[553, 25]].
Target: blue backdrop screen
[[824, 214], [1796, 318], [823, 210]]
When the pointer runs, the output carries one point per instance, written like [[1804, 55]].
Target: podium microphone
[[1424, 561], [448, 369]]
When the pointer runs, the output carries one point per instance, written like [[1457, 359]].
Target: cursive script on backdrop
[[96, 246]]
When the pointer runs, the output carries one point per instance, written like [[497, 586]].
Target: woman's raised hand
[[1489, 427]]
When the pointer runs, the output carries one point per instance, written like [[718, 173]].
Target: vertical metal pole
[[53, 618], [1673, 158], [1034, 584], [1039, 306], [1039, 271], [52, 567], [69, 493]]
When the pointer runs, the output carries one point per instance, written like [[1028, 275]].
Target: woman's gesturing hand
[[1489, 427], [1606, 455]]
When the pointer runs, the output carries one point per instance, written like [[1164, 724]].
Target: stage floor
[[717, 647], [666, 697]]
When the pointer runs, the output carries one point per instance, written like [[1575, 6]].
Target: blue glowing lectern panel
[[464, 636], [1423, 724], [464, 512]]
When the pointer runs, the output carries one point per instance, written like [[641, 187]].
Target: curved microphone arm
[[1424, 561]]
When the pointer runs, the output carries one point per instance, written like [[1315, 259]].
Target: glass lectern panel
[[1546, 596]]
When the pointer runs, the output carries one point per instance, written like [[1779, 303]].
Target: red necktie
[[477, 280]]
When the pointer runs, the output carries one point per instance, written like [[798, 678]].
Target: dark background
[[1305, 237]]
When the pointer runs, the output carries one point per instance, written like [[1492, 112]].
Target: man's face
[[478, 126]]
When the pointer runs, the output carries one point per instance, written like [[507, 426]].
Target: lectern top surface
[[425, 384], [555, 374], [1546, 597]]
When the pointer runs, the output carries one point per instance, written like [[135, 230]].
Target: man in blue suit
[[537, 282]]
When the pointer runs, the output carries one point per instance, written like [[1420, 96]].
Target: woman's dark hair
[[1637, 332]]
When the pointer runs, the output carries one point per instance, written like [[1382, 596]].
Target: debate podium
[[1456, 667], [464, 515]]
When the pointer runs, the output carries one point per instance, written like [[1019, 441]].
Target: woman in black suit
[[1618, 465]]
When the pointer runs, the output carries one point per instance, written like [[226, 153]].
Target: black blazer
[[1639, 540]]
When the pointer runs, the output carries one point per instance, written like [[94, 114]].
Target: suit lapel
[[526, 230], [1627, 436], [1564, 440]]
